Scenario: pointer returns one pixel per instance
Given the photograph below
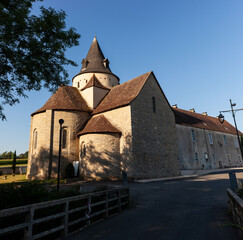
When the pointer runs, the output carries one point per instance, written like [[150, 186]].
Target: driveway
[[190, 209]]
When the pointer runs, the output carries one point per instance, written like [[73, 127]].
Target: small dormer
[[94, 92], [106, 63], [84, 64]]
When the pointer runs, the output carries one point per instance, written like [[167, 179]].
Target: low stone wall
[[235, 207], [8, 170]]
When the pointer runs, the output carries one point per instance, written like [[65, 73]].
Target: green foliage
[[9, 155], [16, 194], [32, 50], [23, 155], [69, 171], [14, 163], [6, 155], [9, 162]]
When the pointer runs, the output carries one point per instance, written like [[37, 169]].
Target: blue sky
[[195, 49]]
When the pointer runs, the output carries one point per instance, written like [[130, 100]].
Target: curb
[[185, 176]]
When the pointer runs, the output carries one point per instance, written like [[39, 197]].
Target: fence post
[[119, 200], [106, 204], [65, 220], [129, 198], [28, 232]]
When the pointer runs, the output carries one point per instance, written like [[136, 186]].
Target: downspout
[[209, 159]]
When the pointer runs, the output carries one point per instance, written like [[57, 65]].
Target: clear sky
[[195, 49]]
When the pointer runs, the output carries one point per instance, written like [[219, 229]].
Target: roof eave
[[97, 72]]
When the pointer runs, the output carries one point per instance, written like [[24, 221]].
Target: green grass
[[10, 159], [10, 162], [10, 178], [10, 165]]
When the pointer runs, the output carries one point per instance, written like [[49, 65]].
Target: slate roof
[[122, 95], [99, 124], [65, 98], [94, 82], [197, 120], [94, 61]]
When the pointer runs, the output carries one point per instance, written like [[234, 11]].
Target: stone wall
[[235, 208], [38, 160], [100, 156], [222, 152], [153, 134], [43, 161], [8, 170], [121, 119]]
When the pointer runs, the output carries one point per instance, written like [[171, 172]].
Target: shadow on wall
[[39, 166], [106, 162], [103, 162]]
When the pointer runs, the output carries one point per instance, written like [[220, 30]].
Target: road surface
[[190, 209]]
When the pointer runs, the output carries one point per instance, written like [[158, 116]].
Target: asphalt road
[[190, 209]]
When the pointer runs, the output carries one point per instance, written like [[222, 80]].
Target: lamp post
[[61, 121], [233, 111]]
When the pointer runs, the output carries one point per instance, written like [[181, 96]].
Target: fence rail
[[58, 218]]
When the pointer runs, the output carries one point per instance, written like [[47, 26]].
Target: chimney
[[174, 106], [192, 110], [205, 113]]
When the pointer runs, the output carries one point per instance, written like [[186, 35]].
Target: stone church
[[108, 127], [111, 127]]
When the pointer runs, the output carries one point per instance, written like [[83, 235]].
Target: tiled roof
[[65, 98], [94, 82], [122, 95], [99, 124], [197, 120]]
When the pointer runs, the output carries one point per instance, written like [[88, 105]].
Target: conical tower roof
[[95, 61]]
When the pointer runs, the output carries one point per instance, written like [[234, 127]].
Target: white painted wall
[[93, 96], [107, 80]]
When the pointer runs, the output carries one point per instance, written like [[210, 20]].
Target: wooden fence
[[56, 219]]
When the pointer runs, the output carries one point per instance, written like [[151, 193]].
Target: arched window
[[154, 104], [64, 138], [83, 149], [35, 139], [78, 84]]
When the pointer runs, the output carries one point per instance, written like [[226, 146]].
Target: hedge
[[9, 162]]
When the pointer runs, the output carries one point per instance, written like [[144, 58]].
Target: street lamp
[[221, 118], [61, 121], [233, 111]]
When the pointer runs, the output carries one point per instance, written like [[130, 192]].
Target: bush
[[19, 194], [69, 171], [9, 162]]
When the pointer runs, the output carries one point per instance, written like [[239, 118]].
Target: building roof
[[197, 120], [94, 82], [65, 98], [122, 95], [99, 124], [95, 61]]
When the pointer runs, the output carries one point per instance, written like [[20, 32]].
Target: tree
[[6, 155], [14, 164], [32, 50], [23, 155]]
